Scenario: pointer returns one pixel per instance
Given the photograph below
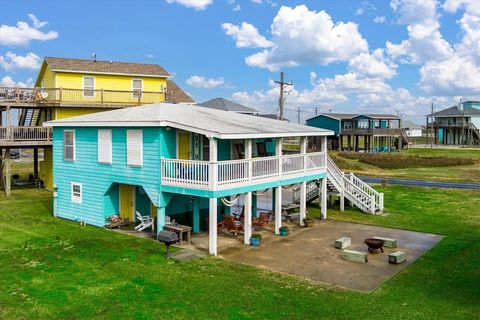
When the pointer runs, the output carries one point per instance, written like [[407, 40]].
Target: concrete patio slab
[[311, 253]]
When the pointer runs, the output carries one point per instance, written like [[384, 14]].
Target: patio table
[[180, 229]]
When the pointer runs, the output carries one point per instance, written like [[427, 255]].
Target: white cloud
[[8, 81], [150, 55], [194, 4], [237, 7], [373, 65], [470, 6], [12, 61], [246, 35], [23, 33], [366, 7], [379, 19], [202, 82], [301, 36], [425, 41], [454, 76]]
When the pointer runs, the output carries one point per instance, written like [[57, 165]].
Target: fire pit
[[168, 238], [374, 244]]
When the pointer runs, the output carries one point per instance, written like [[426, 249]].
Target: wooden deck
[[50, 97], [17, 137]]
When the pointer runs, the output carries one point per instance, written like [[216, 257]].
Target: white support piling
[[323, 199], [248, 218], [212, 226], [278, 209]]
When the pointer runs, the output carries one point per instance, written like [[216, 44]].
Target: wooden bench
[[387, 242], [355, 256], [343, 242], [397, 257]]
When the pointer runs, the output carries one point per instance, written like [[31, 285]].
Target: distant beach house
[[367, 132], [228, 105], [412, 129], [188, 162], [455, 126], [68, 87]]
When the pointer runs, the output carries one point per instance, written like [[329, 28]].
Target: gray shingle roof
[[227, 105], [107, 67], [210, 122], [348, 116], [456, 112]]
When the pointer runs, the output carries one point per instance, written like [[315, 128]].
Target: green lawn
[[56, 269], [464, 173]]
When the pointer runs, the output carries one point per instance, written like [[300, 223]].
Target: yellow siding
[[45, 169], [109, 82], [61, 113]]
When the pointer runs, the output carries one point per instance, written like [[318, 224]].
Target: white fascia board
[[114, 73]]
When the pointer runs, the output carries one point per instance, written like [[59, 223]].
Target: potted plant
[[283, 231], [255, 239], [308, 222]]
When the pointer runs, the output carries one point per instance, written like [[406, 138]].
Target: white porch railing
[[237, 173], [25, 133]]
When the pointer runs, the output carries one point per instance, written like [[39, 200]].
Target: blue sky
[[393, 56]]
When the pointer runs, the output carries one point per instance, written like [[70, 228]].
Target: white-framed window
[[76, 190], [69, 145], [137, 87], [362, 124], [105, 146], [377, 124], [135, 148], [347, 125], [88, 86]]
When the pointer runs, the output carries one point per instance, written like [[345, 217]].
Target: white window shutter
[[134, 147], [105, 146]]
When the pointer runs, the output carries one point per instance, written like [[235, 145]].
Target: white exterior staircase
[[354, 189]]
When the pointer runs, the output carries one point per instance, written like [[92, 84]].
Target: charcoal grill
[[374, 244], [168, 238]]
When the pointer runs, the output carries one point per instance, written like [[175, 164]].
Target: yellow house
[[73, 87]]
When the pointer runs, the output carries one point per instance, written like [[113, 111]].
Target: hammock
[[230, 203], [260, 193]]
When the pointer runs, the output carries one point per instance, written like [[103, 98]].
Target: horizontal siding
[[97, 178]]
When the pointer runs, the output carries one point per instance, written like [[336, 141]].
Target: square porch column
[[323, 187], [303, 185], [196, 215], [160, 219], [212, 226], [277, 192], [248, 196]]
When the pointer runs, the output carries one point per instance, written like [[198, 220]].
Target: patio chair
[[262, 150], [145, 222], [220, 225], [262, 220], [233, 225], [239, 148]]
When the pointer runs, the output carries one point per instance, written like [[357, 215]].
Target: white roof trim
[[114, 73]]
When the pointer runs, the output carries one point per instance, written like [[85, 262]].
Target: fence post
[[381, 202], [101, 96], [60, 94], [139, 97], [372, 204]]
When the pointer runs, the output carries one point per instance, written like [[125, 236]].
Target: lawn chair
[[145, 222], [262, 220], [220, 225], [233, 225], [239, 148]]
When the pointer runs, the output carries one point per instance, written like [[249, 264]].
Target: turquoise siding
[[325, 122], [97, 200]]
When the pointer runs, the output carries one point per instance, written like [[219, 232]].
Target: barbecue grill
[[374, 244], [168, 238]]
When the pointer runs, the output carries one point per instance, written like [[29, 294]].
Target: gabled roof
[[176, 95], [210, 122], [456, 112], [105, 67], [227, 105], [407, 124]]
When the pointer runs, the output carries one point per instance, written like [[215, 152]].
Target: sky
[[396, 56]]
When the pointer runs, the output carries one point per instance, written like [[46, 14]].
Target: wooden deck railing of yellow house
[[18, 136], [65, 96]]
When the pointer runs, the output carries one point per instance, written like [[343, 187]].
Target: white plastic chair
[[145, 222]]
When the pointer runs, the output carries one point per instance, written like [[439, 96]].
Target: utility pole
[[298, 114], [281, 100], [316, 111]]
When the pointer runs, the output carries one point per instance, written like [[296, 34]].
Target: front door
[[127, 201], [184, 145]]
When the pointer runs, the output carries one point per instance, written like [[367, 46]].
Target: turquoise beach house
[[178, 160]]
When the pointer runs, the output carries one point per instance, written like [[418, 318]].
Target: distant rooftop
[[349, 116], [105, 67], [407, 124], [456, 112], [227, 105]]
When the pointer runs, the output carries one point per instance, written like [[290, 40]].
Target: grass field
[[56, 269], [406, 165]]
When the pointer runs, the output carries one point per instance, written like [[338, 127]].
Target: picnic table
[[180, 229]]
